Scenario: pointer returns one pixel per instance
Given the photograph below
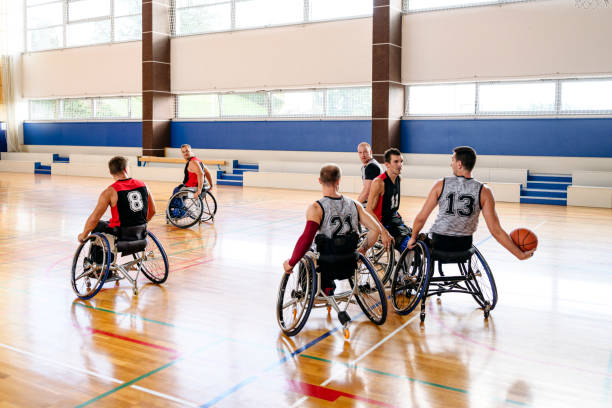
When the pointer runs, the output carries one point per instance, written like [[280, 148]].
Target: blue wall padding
[[325, 136], [121, 134], [579, 137], [2, 139]]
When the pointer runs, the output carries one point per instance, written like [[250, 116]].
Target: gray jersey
[[340, 216], [459, 207]]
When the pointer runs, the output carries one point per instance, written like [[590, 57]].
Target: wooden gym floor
[[209, 336]]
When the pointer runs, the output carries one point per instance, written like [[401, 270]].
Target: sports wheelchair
[[96, 260], [301, 290], [185, 210], [413, 278], [381, 258]]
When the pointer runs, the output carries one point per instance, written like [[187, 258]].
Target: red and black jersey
[[389, 201], [132, 203], [191, 179]]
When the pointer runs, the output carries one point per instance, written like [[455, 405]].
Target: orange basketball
[[525, 239]]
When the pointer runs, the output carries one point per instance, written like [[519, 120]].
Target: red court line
[[120, 337], [328, 394], [195, 264]]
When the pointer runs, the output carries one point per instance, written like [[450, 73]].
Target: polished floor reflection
[[209, 335]]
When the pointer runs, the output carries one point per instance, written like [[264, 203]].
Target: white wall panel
[[109, 69], [531, 39], [308, 55]]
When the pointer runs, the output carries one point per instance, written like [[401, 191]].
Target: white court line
[[361, 357], [102, 376]]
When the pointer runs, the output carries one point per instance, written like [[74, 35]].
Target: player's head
[[365, 152], [463, 160], [394, 161], [117, 166], [330, 174], [186, 151]]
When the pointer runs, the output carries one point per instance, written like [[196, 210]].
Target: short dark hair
[[117, 164], [330, 173], [466, 155], [391, 152]]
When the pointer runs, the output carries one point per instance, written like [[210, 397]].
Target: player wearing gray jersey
[[334, 219], [461, 199]]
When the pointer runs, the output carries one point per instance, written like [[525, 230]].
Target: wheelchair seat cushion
[[451, 256], [131, 247], [338, 266]]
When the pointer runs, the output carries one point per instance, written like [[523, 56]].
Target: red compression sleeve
[[304, 242]]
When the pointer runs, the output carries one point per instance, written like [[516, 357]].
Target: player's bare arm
[[194, 167], [374, 229], [151, 205], [314, 215], [104, 201], [365, 191], [208, 177], [487, 203], [428, 206], [376, 191]]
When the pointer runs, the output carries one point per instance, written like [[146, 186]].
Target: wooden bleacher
[[176, 160]]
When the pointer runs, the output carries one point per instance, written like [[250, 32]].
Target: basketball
[[525, 239]]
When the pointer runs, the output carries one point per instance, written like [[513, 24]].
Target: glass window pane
[[35, 2], [257, 13], [254, 104], [136, 108], [94, 32], [203, 19], [127, 7], [43, 109], [77, 109], [128, 28], [349, 102], [190, 3], [79, 10], [586, 95], [198, 106], [441, 99], [517, 97], [329, 9], [45, 38], [298, 103], [414, 5], [109, 108], [45, 15]]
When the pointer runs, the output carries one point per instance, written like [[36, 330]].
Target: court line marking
[[101, 376], [330, 394]]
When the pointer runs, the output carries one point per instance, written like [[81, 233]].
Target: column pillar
[[387, 90], [157, 101]]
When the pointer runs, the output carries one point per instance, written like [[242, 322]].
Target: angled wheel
[[90, 266], [295, 297], [381, 258], [184, 210], [155, 267], [209, 206], [410, 278], [370, 294], [480, 281]]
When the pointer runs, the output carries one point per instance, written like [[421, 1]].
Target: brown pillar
[[387, 90], [157, 101]]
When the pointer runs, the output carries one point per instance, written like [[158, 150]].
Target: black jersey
[[132, 204], [389, 201]]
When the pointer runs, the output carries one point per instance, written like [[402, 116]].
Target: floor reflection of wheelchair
[[96, 260], [413, 278], [185, 210], [301, 290]]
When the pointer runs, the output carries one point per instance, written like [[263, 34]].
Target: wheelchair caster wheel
[[422, 317], [347, 334]]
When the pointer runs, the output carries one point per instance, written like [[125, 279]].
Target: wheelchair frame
[[318, 299], [113, 272], [203, 203]]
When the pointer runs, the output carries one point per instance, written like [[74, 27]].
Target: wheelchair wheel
[[184, 211], [410, 278], [90, 266], [381, 258], [480, 281], [370, 294], [155, 268], [209, 206], [295, 297]]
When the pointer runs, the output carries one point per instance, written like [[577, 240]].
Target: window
[[54, 24], [419, 5], [257, 13], [526, 97], [291, 103], [203, 18], [454, 99], [586, 95], [103, 108], [330, 9]]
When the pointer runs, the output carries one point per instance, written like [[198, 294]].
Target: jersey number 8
[[135, 200]]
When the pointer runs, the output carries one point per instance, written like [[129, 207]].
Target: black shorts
[[105, 229], [398, 230], [450, 243]]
